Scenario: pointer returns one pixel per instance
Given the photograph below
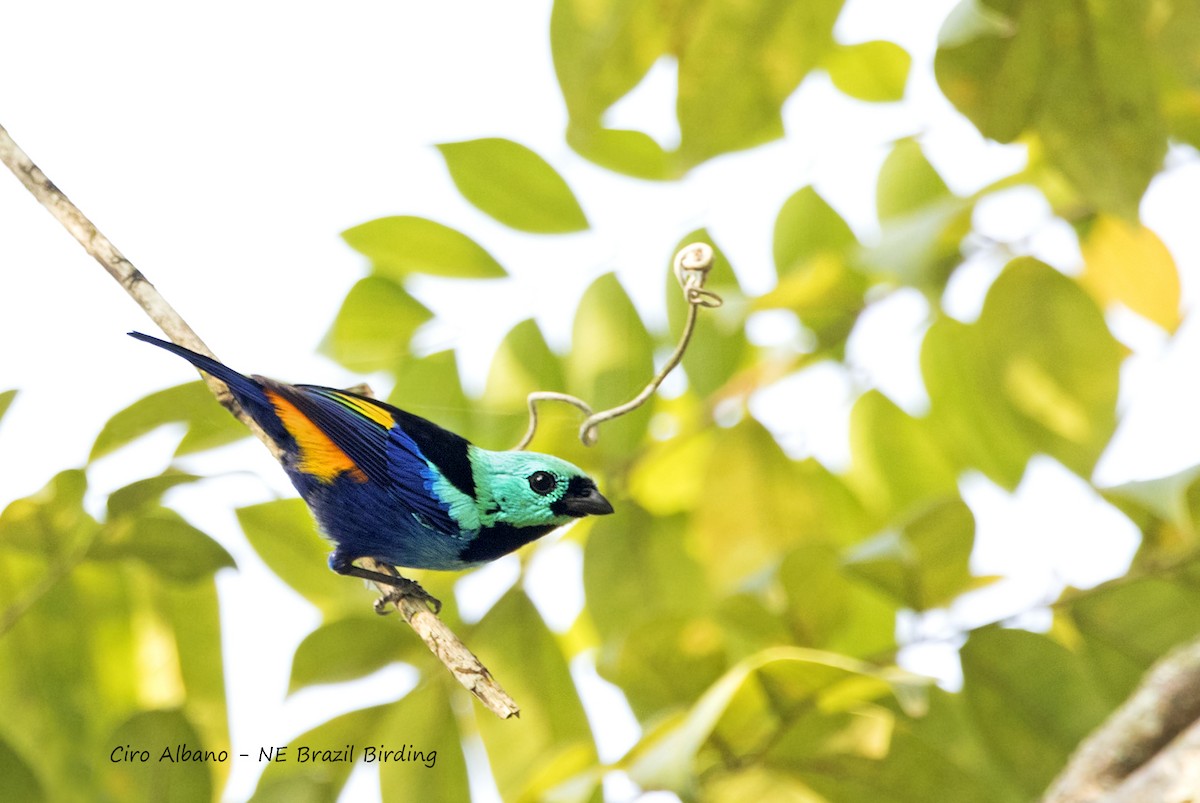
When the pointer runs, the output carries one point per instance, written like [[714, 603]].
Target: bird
[[386, 484]]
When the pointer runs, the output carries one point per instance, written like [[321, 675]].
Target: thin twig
[[441, 641], [691, 267]]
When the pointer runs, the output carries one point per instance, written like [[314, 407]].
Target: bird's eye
[[542, 482]]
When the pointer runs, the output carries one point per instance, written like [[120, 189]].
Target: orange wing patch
[[319, 456]]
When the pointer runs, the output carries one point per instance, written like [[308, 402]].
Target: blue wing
[[371, 434]]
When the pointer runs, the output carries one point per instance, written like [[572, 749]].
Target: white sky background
[[223, 151]]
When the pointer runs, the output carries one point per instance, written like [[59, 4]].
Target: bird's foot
[[398, 587], [401, 587]]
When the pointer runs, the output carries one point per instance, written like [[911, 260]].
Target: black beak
[[586, 502]]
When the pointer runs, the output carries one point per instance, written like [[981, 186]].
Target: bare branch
[[1149, 749], [441, 641]]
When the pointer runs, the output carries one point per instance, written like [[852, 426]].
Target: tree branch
[[442, 642], [1149, 749]]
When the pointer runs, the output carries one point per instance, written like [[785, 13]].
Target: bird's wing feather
[[368, 433]]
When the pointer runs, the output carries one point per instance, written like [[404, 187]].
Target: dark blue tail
[[248, 392]]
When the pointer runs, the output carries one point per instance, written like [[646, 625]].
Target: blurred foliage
[[109, 641], [742, 600]]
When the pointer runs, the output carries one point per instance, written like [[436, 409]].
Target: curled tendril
[[691, 267]]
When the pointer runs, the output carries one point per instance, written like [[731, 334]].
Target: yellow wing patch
[[372, 411], [319, 456]]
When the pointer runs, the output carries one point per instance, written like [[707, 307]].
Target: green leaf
[[374, 326], [87, 644], [402, 245], [346, 649], [812, 247], [1167, 511], [87, 655], [427, 718], [51, 521], [601, 51], [6, 399], [292, 779], [872, 71], [936, 756], [907, 182], [284, 536], [1032, 700], [139, 495], [630, 152], [757, 502], [807, 227], [1079, 76], [756, 702], [192, 612], [514, 185], [523, 364], [637, 567], [208, 424], [430, 387], [1037, 373], [167, 544], [161, 778], [610, 361], [738, 62], [1178, 75], [663, 663], [829, 608], [897, 461], [551, 741], [1126, 626], [925, 563], [20, 782], [922, 222]]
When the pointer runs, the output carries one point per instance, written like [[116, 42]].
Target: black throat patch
[[500, 539]]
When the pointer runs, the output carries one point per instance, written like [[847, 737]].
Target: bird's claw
[[401, 587]]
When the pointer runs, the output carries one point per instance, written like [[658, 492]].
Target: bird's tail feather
[[248, 392]]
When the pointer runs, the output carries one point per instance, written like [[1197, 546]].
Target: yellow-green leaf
[[611, 360], [374, 326], [514, 185], [898, 463], [1037, 373], [404, 244], [6, 399], [1127, 263], [285, 537], [551, 740], [523, 364], [1081, 76], [19, 779], [208, 424], [347, 649], [872, 71], [1032, 699], [181, 781]]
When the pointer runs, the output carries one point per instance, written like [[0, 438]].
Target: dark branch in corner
[[1149, 749], [442, 642]]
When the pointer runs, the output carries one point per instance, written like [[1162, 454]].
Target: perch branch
[[1149, 748], [441, 641], [691, 267]]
